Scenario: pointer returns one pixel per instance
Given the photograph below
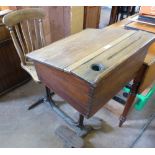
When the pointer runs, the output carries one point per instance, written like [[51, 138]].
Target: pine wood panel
[[77, 19]]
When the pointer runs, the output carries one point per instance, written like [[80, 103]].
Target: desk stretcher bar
[[87, 69]]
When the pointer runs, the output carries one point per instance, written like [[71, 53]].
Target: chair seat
[[32, 71]]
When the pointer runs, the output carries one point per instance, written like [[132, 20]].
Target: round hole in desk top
[[97, 67]]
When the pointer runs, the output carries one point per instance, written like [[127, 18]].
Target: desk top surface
[[92, 53]]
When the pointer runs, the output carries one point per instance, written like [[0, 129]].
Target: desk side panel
[[72, 89], [116, 80]]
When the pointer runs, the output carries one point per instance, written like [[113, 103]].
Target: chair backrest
[[26, 29]]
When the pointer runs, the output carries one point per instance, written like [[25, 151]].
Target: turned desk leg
[[132, 95]]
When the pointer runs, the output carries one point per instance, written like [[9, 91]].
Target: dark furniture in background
[[11, 74], [126, 11], [122, 11]]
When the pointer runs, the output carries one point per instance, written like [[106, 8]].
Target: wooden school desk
[[88, 68]]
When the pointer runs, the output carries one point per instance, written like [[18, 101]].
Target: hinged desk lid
[[92, 53]]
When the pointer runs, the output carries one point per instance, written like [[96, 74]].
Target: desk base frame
[[80, 129]]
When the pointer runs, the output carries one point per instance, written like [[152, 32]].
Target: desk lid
[[92, 53]]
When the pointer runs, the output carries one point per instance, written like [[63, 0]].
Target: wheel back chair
[[26, 29]]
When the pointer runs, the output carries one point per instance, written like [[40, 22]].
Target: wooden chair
[[26, 29]]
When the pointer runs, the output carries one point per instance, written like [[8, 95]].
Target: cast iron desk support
[[79, 127]]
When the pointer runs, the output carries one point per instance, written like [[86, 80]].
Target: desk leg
[[132, 95], [81, 120], [79, 126]]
